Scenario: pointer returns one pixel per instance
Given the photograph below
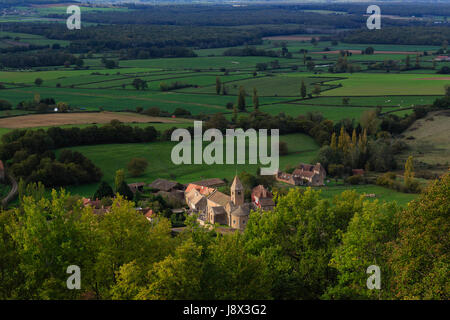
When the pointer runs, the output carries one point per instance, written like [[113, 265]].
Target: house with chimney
[[304, 175]]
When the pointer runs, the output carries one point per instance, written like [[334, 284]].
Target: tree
[[364, 243], [224, 90], [104, 190], [297, 240], [119, 178], [12, 278], [139, 84], [125, 191], [420, 256], [218, 85], [79, 63], [137, 166], [241, 99], [333, 144], [5, 105], [235, 114], [417, 61], [48, 239], [187, 282], [408, 62], [126, 237], [369, 50], [38, 82], [303, 89], [310, 65], [369, 121], [316, 89], [255, 99]]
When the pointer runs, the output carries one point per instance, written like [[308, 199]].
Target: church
[[228, 210]]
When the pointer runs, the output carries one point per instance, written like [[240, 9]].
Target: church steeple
[[237, 192]]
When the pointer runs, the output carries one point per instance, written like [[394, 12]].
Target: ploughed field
[[61, 119]]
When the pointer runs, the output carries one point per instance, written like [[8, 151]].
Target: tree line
[[30, 153]]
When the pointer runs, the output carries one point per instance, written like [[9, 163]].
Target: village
[[211, 200]]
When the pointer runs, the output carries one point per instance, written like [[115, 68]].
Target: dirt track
[[55, 119]]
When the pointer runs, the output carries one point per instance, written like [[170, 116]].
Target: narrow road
[[11, 195]]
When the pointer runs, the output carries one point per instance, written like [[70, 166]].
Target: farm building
[[165, 185], [304, 174], [138, 186]]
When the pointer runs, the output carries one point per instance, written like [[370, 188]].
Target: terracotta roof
[[2, 167], [96, 204], [162, 184], [214, 182], [149, 214], [358, 171], [219, 198], [202, 189], [261, 192]]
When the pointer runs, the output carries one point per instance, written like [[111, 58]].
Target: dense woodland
[[400, 35]]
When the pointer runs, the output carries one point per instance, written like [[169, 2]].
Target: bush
[[353, 180], [137, 166], [5, 105]]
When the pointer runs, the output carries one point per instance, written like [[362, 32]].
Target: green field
[[385, 84], [110, 158]]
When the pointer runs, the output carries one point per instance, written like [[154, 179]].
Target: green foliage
[[364, 244], [241, 99], [137, 166], [119, 178], [104, 190], [303, 89], [297, 240], [125, 191], [420, 255]]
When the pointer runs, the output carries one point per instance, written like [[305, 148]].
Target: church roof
[[219, 198], [241, 211], [237, 185], [218, 210]]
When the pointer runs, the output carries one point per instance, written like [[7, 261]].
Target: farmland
[[97, 94]]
